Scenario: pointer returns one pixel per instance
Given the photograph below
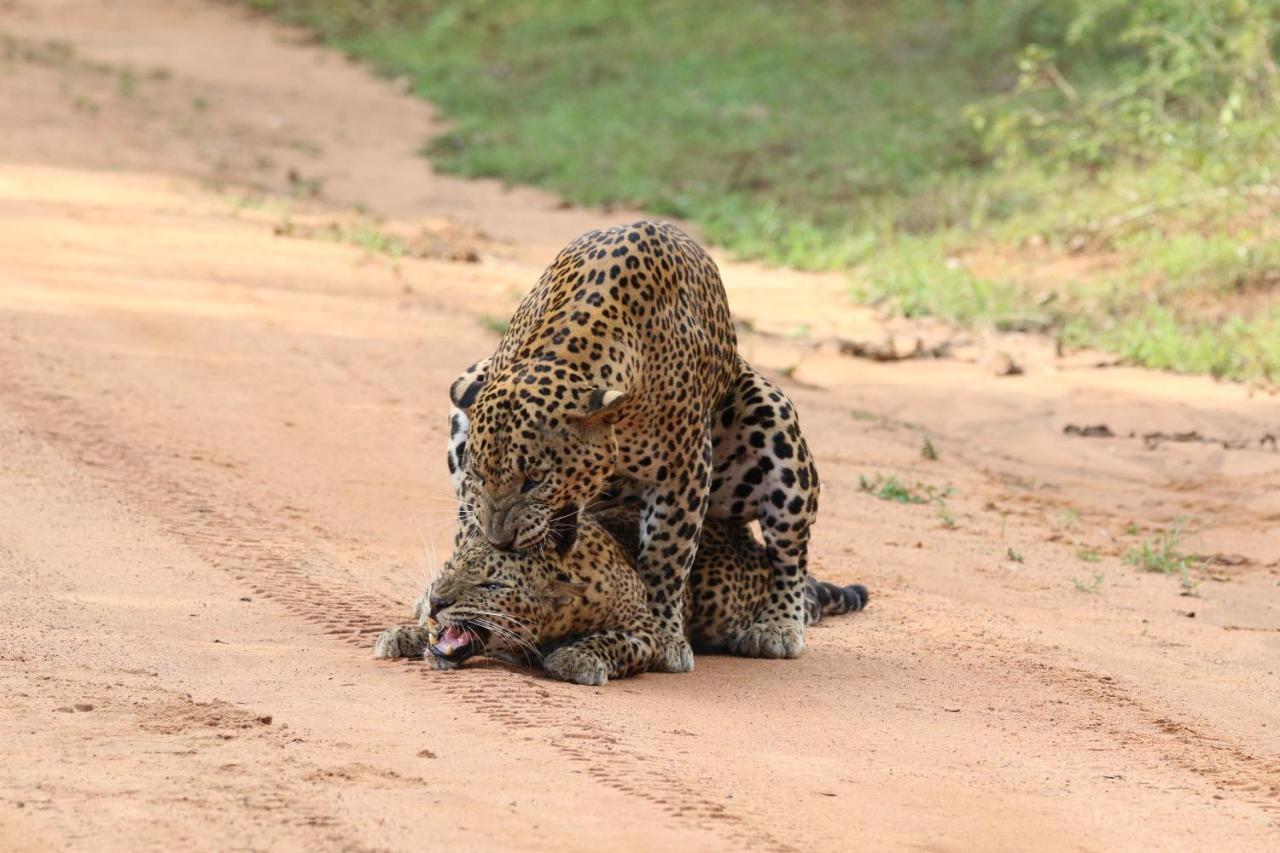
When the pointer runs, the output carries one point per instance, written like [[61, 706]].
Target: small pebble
[[83, 706], [65, 709], [426, 753]]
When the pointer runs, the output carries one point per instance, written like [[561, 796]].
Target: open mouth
[[456, 643]]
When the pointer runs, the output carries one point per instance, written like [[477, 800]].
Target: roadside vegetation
[[1101, 170]]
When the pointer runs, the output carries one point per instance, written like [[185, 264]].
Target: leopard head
[[540, 447], [502, 603]]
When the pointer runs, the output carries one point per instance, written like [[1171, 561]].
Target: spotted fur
[[762, 471], [611, 368]]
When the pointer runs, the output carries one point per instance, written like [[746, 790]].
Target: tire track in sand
[[260, 550]]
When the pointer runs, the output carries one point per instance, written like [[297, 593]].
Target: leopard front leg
[[403, 641], [786, 517], [670, 529], [595, 658]]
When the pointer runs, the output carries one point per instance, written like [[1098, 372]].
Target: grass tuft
[[1161, 554]]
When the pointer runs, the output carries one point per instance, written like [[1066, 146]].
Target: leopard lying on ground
[[613, 366], [761, 470], [582, 615]]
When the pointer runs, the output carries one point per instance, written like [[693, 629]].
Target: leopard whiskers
[[520, 630], [510, 636], [523, 623]]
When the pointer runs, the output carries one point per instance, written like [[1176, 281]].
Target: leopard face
[[486, 601], [540, 447]]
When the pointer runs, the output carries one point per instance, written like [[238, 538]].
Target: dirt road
[[231, 299]]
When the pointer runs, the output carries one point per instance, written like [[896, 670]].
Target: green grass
[[1161, 554], [890, 488], [959, 159]]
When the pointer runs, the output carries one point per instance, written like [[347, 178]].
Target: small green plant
[[933, 493], [890, 489], [1014, 554], [1093, 586], [1161, 554], [1089, 555], [1131, 529], [863, 415], [494, 323], [928, 451], [1069, 517]]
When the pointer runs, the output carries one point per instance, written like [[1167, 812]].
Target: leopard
[[612, 366], [582, 616], [762, 471]]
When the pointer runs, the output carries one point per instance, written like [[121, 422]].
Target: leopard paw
[[404, 641], [673, 655], [578, 666], [769, 640]]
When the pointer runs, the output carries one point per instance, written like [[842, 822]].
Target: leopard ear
[[603, 406], [464, 389]]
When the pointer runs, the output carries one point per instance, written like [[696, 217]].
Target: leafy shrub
[[1104, 80]]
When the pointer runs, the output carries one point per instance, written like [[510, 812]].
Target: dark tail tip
[[857, 596], [828, 599]]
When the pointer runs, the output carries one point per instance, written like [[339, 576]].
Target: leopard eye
[[530, 483], [492, 585]]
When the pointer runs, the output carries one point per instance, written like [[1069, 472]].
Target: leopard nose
[[499, 531], [504, 542], [435, 604]]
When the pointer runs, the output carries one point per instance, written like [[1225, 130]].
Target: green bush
[[1103, 80]]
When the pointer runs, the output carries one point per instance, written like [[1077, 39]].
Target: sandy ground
[[221, 475]]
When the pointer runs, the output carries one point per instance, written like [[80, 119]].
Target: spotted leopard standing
[[612, 367], [762, 470]]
